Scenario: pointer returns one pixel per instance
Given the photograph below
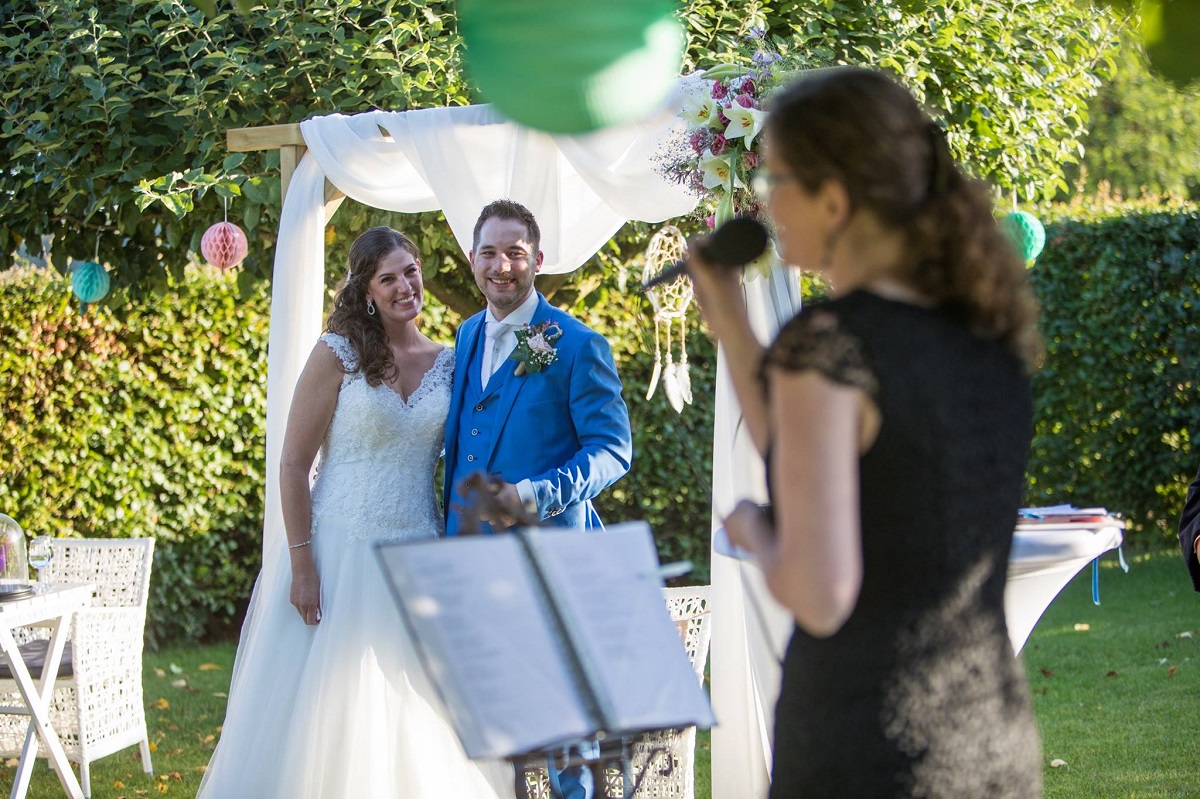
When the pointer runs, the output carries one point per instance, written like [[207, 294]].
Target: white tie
[[493, 333]]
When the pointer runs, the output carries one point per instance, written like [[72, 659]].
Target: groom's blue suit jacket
[[564, 428]]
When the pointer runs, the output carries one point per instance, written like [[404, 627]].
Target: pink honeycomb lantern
[[224, 245]]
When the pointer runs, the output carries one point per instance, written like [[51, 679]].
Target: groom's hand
[[505, 509]]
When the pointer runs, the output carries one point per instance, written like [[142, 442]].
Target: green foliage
[[1010, 80], [1145, 133], [151, 424], [108, 105], [115, 113], [1117, 399]]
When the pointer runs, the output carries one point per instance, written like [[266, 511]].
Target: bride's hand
[[306, 592]]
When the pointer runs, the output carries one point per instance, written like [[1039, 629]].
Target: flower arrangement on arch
[[720, 150]]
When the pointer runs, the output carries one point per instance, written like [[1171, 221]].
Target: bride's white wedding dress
[[343, 709]]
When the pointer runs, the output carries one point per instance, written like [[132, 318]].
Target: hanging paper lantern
[[224, 245], [572, 67], [90, 282], [1026, 233]]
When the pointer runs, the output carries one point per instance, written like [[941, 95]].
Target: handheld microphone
[[734, 244]]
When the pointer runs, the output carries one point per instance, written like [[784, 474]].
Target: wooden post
[[290, 142]]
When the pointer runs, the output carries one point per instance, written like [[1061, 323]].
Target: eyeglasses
[[764, 182]]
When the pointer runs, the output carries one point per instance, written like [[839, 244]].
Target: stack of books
[[1066, 516]]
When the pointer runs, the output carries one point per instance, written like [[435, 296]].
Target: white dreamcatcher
[[670, 302]]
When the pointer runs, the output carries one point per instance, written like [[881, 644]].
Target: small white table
[[51, 605], [1045, 557]]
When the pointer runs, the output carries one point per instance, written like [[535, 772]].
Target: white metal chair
[[98, 708], [664, 761]]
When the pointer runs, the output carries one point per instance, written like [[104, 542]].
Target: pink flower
[[719, 90], [744, 100], [697, 142], [724, 119], [748, 86], [718, 144], [711, 221], [751, 159]]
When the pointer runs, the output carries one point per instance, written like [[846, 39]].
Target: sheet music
[[609, 589], [481, 627], [482, 623]]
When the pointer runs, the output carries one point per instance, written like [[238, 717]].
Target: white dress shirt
[[506, 342]]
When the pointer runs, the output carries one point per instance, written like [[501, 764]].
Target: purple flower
[[757, 32], [719, 90], [697, 141], [744, 100], [762, 58], [748, 86], [724, 119], [751, 159], [718, 144]]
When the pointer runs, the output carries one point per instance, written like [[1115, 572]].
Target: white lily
[[716, 170], [700, 110], [744, 122]]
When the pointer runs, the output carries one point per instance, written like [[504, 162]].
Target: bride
[[329, 699]]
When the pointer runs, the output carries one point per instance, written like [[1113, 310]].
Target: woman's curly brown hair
[[865, 130], [349, 317]]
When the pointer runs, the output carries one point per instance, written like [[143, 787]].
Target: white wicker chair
[[664, 761], [98, 709]]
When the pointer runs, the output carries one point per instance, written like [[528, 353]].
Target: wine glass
[[40, 554]]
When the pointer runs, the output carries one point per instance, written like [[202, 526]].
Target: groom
[[556, 436]]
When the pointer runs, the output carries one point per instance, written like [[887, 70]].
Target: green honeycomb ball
[[90, 282], [1026, 233]]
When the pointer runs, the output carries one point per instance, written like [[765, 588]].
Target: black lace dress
[[919, 693]]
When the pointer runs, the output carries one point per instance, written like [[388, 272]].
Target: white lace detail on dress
[[344, 351], [375, 479]]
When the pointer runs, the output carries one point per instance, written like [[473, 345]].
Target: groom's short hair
[[509, 209]]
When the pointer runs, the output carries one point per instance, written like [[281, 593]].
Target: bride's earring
[[370, 307]]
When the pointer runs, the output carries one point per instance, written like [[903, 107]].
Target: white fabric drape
[[581, 188], [749, 628]]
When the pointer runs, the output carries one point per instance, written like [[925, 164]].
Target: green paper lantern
[[572, 67], [1026, 233], [90, 282]]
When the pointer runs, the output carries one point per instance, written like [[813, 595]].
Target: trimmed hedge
[[1117, 406], [149, 424]]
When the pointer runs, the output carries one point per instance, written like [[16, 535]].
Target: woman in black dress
[[895, 418]]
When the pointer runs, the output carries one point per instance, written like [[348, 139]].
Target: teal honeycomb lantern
[[572, 68], [90, 282], [1026, 233]]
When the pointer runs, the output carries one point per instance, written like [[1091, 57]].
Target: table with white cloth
[[1044, 558], [50, 605]]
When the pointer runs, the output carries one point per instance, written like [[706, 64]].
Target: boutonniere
[[535, 347]]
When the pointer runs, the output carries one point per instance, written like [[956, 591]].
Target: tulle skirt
[[342, 710]]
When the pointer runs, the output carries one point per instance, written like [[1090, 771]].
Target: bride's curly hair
[[349, 317], [865, 130]]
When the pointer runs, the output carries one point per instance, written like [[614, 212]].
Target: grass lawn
[[1118, 702], [1116, 688]]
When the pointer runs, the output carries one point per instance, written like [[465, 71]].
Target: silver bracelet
[[301, 544]]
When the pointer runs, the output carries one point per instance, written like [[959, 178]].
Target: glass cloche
[[14, 565]]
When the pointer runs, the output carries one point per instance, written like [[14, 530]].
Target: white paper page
[[611, 593], [487, 643]]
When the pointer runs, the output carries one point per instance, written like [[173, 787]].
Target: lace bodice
[[375, 474]]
